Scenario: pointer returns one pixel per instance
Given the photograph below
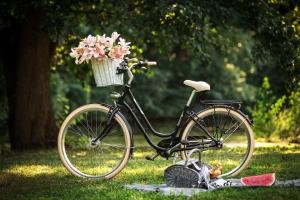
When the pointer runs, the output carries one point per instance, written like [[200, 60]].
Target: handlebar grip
[[130, 60], [151, 63]]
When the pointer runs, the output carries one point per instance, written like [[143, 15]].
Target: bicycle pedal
[[151, 157]]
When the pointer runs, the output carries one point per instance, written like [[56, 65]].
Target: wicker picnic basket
[[105, 72]]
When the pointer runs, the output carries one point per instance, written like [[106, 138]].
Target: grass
[[40, 175]]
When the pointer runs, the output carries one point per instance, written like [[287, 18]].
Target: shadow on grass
[[62, 186]]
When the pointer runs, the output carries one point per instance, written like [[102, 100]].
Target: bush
[[287, 124], [277, 118], [263, 123]]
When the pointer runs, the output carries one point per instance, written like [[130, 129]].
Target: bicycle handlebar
[[131, 60], [135, 64], [139, 64], [151, 63]]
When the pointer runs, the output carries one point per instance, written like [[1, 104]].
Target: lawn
[[40, 175]]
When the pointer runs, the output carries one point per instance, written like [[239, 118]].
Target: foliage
[[287, 121], [277, 117], [194, 40], [262, 114], [230, 44]]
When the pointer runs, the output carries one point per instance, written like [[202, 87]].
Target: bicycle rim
[[103, 159], [235, 133]]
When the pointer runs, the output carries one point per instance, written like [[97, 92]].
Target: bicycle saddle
[[197, 85]]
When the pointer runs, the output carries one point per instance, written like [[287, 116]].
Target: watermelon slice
[[260, 180]]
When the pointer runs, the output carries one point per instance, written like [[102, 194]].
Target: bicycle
[[96, 140]]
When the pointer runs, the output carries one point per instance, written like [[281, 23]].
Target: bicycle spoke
[[229, 128], [86, 121], [89, 128], [232, 132], [96, 123], [219, 125], [100, 126], [94, 158], [113, 145], [205, 125], [227, 116], [88, 132], [214, 124], [75, 130]]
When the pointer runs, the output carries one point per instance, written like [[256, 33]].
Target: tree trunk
[[31, 119]]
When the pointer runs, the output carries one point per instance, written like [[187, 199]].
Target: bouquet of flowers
[[101, 48], [105, 54]]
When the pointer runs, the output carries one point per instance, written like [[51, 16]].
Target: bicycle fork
[[108, 124]]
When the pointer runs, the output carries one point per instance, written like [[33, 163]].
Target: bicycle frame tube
[[140, 111], [121, 102]]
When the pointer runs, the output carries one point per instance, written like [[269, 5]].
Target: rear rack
[[233, 103]]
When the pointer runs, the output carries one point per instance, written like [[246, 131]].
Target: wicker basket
[[105, 73]]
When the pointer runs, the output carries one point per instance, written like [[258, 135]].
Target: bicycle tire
[[71, 143], [244, 161]]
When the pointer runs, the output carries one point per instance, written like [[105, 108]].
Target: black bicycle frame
[[185, 116], [174, 144]]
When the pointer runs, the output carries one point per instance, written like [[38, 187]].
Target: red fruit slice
[[260, 180]]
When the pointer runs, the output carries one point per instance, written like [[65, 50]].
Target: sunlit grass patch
[[41, 175], [30, 170]]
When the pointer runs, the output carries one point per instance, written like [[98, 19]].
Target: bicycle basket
[[105, 73]]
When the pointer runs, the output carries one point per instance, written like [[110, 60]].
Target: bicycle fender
[[216, 106], [246, 117]]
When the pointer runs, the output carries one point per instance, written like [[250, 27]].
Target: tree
[[27, 69], [30, 32]]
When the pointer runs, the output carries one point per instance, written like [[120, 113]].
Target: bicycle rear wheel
[[104, 158], [232, 129]]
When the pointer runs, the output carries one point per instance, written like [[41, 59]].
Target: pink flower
[[117, 53], [102, 39], [101, 48], [76, 53], [114, 36], [102, 57], [109, 42], [125, 50], [98, 51], [123, 43], [87, 55], [89, 41]]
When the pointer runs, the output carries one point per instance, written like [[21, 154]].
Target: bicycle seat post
[[186, 106], [191, 98]]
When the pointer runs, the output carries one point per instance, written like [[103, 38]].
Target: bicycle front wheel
[[82, 156], [232, 129]]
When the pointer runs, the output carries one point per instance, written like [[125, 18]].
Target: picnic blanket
[[214, 183]]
